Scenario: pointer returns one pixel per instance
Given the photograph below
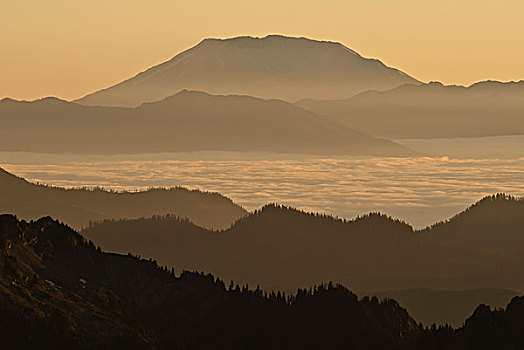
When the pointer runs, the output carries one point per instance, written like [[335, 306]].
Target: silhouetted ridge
[[56, 288], [495, 329], [45, 235], [485, 329], [452, 307], [274, 212], [487, 203], [79, 206], [493, 223], [371, 252]]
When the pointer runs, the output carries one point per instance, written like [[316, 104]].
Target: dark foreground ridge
[[59, 291], [56, 287]]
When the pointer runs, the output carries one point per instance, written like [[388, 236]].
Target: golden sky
[[68, 48]]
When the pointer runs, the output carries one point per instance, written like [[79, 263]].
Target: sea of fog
[[420, 190]]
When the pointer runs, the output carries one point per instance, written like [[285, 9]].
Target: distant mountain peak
[[287, 40], [275, 38], [270, 67]]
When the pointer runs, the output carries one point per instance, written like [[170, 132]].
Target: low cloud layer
[[419, 190]]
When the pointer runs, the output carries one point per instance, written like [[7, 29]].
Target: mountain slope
[[271, 67], [431, 110], [57, 290], [187, 121], [278, 247], [495, 223], [78, 207]]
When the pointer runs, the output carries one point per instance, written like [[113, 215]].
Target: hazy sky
[[68, 48]]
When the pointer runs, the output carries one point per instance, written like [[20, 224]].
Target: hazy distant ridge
[[77, 207], [433, 110], [187, 121]]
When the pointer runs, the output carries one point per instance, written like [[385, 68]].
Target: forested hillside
[[77, 207], [59, 290], [280, 247]]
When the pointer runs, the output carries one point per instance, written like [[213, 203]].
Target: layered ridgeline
[[187, 121], [59, 291], [77, 207], [431, 110], [271, 67], [279, 247]]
